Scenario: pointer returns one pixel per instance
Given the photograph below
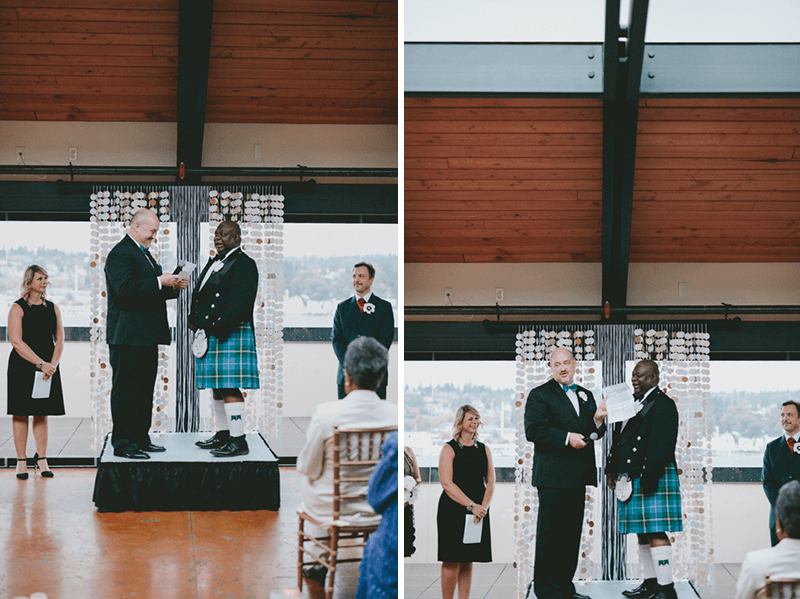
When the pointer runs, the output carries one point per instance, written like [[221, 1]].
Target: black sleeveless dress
[[470, 466], [38, 329]]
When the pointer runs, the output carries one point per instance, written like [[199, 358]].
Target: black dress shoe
[[647, 588], [132, 453], [577, 595], [235, 446], [150, 448], [220, 439], [665, 592]]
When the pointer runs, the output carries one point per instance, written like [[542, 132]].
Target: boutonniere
[[797, 447], [369, 308], [217, 266], [583, 396]]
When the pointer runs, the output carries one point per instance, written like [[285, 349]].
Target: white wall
[[155, 144], [553, 284], [740, 514]]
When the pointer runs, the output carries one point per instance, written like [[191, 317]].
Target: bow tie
[[572, 387]]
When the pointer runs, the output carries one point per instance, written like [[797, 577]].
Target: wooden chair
[[783, 588], [353, 449]]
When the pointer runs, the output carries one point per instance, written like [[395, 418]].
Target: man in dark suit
[[363, 315], [136, 325], [782, 459], [222, 307], [644, 451], [560, 418]]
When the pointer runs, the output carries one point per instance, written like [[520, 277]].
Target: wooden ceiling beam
[[624, 51], [194, 50]]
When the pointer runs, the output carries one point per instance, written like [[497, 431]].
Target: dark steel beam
[[721, 69], [620, 122], [194, 47], [472, 341], [329, 203], [506, 69], [597, 311], [207, 171]]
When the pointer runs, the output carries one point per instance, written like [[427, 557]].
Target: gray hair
[[787, 509], [365, 363]]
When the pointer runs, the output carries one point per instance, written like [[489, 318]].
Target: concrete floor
[[52, 540], [496, 581]]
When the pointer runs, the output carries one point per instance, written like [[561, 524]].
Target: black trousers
[[133, 381], [381, 391], [558, 541]]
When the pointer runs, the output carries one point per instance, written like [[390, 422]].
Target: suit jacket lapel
[[137, 250], [564, 401]]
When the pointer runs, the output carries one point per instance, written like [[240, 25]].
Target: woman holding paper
[[467, 476], [37, 338]]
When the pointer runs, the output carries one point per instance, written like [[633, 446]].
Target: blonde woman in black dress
[[37, 338], [467, 476]]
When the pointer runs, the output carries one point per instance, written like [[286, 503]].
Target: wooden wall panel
[[717, 180], [305, 61], [288, 61], [503, 180]]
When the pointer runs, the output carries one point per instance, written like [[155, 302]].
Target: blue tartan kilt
[[659, 512], [229, 364]]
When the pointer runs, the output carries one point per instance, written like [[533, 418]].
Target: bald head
[[144, 226]]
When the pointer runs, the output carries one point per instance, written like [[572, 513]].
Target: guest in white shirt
[[365, 364], [780, 561]]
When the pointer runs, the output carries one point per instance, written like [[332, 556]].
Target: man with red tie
[[782, 459], [363, 315]]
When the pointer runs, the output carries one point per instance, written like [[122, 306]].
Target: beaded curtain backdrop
[[259, 212], [682, 355]]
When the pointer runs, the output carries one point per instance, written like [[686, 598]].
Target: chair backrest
[[355, 454], [783, 588]]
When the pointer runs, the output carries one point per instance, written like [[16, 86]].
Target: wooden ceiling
[[282, 61], [520, 180]]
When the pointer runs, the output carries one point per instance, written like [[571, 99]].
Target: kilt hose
[[659, 512], [229, 364]]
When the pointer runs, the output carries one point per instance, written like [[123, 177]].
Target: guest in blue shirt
[[378, 579]]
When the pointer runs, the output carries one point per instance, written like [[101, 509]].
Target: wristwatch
[[470, 506], [39, 365]]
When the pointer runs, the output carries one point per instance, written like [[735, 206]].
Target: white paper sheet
[[41, 387], [620, 402], [472, 531]]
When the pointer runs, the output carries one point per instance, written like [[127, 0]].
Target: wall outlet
[[682, 289], [73, 154], [258, 150], [448, 295], [19, 154], [499, 295]]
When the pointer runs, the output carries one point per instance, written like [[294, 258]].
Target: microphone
[[592, 437]]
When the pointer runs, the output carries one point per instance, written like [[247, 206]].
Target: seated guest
[[781, 561], [378, 579], [365, 364]]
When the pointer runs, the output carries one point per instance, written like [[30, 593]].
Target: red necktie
[[361, 301], [790, 441]]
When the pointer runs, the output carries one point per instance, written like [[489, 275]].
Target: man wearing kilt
[[644, 451], [222, 307]]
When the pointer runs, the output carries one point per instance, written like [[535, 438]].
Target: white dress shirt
[[360, 409], [781, 561]]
